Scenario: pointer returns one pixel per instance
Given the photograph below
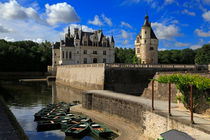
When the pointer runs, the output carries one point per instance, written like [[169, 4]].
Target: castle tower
[[146, 44]]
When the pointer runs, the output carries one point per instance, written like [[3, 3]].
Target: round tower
[[146, 44]]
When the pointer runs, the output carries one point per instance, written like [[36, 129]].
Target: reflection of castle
[[83, 48], [146, 44]]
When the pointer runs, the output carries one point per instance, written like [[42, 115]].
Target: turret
[[69, 33], [112, 41], [146, 44]]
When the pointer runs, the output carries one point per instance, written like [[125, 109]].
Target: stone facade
[[83, 48], [146, 44]]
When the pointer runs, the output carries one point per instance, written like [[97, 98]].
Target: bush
[[201, 86]]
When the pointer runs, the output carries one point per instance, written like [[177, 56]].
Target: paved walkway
[[7, 131], [162, 106]]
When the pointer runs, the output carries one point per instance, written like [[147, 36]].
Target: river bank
[[10, 129]]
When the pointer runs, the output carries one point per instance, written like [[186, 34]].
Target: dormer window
[[85, 43], [137, 40]]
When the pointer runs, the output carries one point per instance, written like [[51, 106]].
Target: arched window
[[94, 60], [66, 54], [69, 55]]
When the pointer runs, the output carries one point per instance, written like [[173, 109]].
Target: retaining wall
[[132, 110], [86, 76]]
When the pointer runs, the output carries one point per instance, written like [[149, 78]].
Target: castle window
[[104, 60], [104, 52], [94, 52], [63, 54], [145, 32], [55, 54], [85, 51], [138, 50], [151, 48], [76, 44], [85, 60], [69, 55], [104, 44], [66, 55], [145, 41], [94, 60], [85, 43]]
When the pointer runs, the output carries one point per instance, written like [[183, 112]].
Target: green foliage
[[24, 56], [185, 56], [203, 55], [124, 55], [135, 59], [201, 85]]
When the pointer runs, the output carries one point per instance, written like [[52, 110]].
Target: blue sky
[[178, 24]]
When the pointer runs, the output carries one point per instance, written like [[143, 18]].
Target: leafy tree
[[24, 56], [135, 60], [203, 55]]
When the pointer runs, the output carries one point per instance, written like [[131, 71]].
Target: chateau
[[146, 44], [83, 48]]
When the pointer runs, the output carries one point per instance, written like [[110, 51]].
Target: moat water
[[26, 98]]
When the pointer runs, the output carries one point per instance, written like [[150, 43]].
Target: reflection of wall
[[61, 93]]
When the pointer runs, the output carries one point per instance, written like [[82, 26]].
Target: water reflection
[[25, 99], [65, 94]]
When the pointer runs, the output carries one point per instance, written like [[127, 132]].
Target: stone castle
[[146, 44], [83, 48]]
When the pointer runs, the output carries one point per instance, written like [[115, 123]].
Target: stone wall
[[86, 76], [136, 112], [128, 80]]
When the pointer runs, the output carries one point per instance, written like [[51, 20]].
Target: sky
[[178, 24]]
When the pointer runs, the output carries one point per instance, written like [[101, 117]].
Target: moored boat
[[48, 125], [77, 130], [100, 130]]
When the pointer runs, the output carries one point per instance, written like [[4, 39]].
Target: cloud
[[29, 30], [96, 21], [180, 44], [12, 10], [169, 1], [72, 26], [175, 21], [124, 34], [206, 16], [4, 30], [125, 42], [161, 49], [207, 2], [185, 11], [9, 39], [61, 13], [107, 20], [195, 46], [165, 32], [201, 33], [124, 24], [151, 3]]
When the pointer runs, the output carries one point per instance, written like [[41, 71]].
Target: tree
[[135, 59], [203, 55]]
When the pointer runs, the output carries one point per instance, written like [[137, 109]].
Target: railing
[[175, 66], [83, 65]]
